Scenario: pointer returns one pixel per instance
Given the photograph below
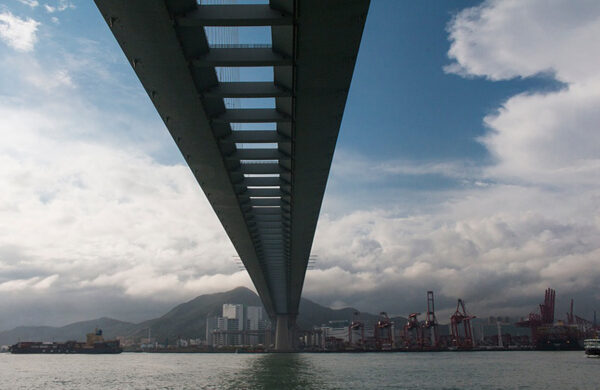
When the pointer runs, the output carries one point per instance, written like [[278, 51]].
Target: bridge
[[265, 185]]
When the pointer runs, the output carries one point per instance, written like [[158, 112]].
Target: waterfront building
[[254, 315], [234, 311], [212, 323], [238, 325], [226, 339]]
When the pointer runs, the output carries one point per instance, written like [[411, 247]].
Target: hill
[[74, 331], [313, 314], [187, 320]]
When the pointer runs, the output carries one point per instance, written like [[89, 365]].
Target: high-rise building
[[254, 320], [254, 315], [212, 323], [227, 324], [233, 319], [234, 311], [238, 325]]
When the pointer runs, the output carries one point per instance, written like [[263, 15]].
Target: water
[[470, 370]]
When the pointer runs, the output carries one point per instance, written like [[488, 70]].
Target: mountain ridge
[[186, 320]]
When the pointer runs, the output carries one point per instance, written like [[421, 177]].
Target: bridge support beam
[[282, 333], [268, 197]]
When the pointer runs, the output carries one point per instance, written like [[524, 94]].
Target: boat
[[557, 337], [94, 344], [592, 347]]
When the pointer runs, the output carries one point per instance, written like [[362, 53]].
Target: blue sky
[[402, 103], [467, 163]]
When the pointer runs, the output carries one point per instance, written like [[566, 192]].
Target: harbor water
[[431, 371]]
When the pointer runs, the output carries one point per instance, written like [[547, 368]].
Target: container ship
[[548, 334], [558, 337], [94, 344]]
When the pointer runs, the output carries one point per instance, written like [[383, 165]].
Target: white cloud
[[529, 220], [61, 5], [537, 137], [101, 217], [354, 166], [31, 3], [551, 138], [92, 212], [491, 246], [86, 201], [514, 38], [35, 284], [20, 34], [48, 81]]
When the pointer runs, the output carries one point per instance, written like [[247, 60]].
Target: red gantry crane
[[547, 308], [430, 325], [384, 332], [570, 316], [413, 333], [355, 326], [459, 317], [545, 318]]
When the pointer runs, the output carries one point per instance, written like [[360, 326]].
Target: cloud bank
[[95, 223], [18, 33], [92, 221], [534, 222]]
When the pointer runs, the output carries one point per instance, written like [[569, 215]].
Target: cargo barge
[[94, 344]]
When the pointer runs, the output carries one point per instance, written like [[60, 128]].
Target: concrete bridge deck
[[267, 198]]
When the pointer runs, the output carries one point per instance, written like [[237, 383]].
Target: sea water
[[446, 370]]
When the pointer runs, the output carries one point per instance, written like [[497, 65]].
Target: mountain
[[187, 320], [313, 314]]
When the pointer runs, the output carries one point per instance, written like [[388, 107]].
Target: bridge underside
[[265, 185]]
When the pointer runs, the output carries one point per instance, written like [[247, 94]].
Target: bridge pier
[[282, 333]]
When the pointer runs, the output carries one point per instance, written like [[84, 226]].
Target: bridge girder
[[267, 198]]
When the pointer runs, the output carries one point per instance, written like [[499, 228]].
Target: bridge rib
[[241, 57], [262, 168], [278, 224], [235, 15], [251, 115], [247, 89], [261, 181], [264, 192], [268, 218], [258, 154], [258, 136]]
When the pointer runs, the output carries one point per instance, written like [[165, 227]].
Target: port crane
[[459, 317], [413, 331], [431, 325], [384, 332], [356, 325]]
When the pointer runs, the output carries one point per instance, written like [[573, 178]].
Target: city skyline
[[467, 164]]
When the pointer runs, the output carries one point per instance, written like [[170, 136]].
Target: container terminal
[[541, 331], [417, 332], [422, 332]]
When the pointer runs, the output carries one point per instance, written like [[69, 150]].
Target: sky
[[468, 163]]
